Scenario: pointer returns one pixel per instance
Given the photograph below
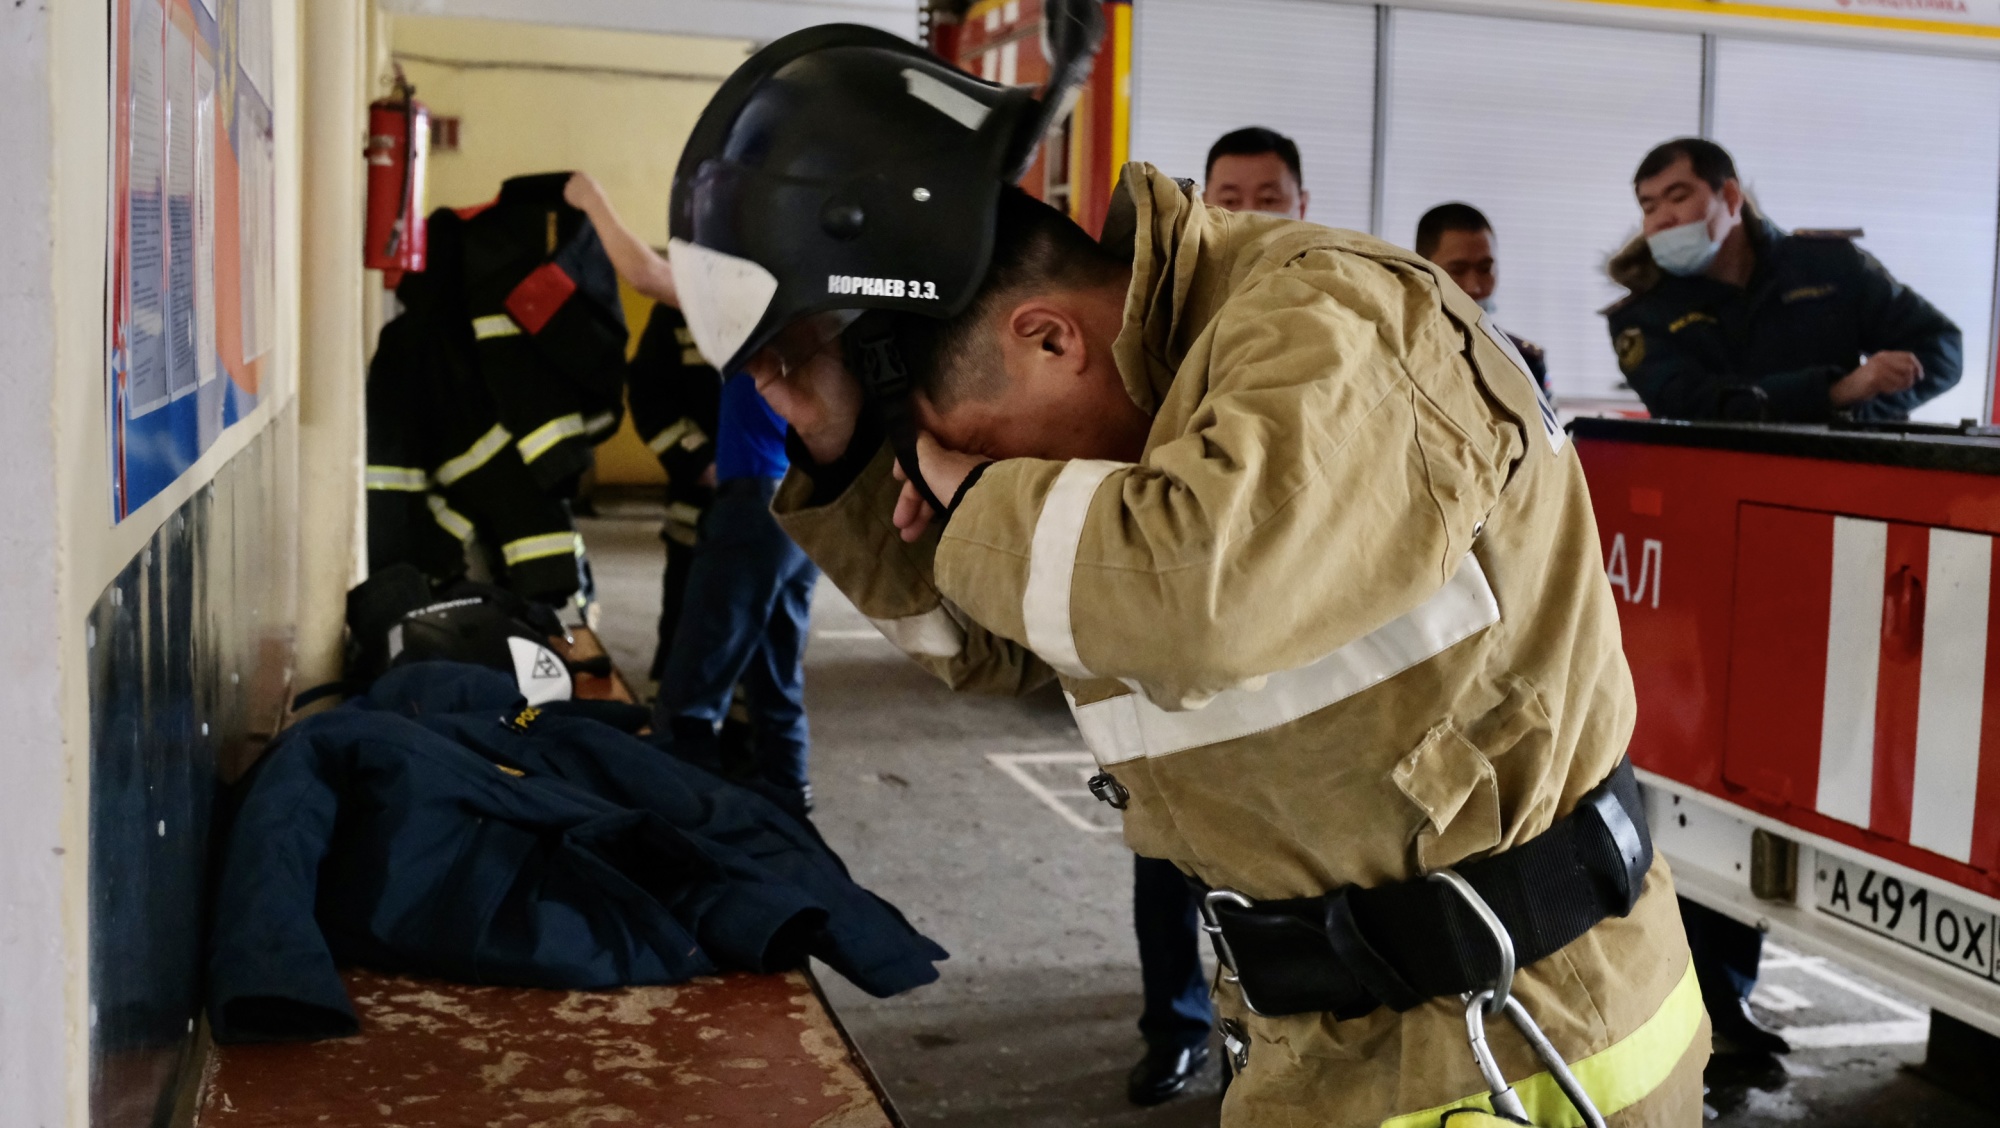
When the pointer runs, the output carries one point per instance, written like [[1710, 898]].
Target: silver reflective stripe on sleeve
[[1052, 563], [671, 434], [933, 634], [600, 423], [684, 513], [1129, 727], [537, 547], [451, 520], [489, 444], [402, 479], [542, 439]]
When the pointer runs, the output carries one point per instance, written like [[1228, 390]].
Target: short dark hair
[[1035, 248], [1710, 161], [1447, 217], [1254, 141]]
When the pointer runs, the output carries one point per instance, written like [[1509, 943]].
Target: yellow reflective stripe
[[494, 325], [489, 444], [407, 479], [683, 512], [451, 519], [598, 424], [538, 441], [537, 547], [670, 435], [1616, 1077]]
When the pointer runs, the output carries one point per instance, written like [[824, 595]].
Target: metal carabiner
[[1225, 957], [1500, 998]]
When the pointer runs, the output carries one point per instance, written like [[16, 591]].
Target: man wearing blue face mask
[[1730, 317]]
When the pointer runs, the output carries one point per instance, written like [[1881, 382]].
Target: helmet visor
[[724, 297]]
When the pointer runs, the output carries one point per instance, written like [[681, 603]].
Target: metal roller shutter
[[1905, 146], [1305, 68], [1539, 125]]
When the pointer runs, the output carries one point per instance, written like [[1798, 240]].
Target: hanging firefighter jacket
[[675, 398], [407, 522], [547, 324], [481, 422]]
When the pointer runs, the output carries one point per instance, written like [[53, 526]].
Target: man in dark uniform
[[675, 398], [1730, 317], [1459, 239]]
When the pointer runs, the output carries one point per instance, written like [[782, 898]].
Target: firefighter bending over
[[1288, 519]]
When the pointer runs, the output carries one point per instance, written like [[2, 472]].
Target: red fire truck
[[1809, 617]]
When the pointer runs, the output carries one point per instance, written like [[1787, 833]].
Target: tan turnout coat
[[1344, 622]]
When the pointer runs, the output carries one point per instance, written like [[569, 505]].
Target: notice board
[[191, 278]]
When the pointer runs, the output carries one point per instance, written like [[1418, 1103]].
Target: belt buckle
[[1212, 924]]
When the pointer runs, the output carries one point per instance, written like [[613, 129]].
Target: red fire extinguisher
[[399, 129]]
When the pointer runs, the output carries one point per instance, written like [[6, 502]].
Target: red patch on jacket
[[539, 296]]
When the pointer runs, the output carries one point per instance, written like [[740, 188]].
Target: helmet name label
[[881, 287]]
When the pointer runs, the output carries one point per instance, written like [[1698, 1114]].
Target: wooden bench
[[735, 1049]]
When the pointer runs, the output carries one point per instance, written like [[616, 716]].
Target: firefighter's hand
[[816, 394], [1884, 373], [944, 471]]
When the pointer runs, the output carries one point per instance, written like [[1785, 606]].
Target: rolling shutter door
[[1305, 68], [1906, 147], [1539, 125]]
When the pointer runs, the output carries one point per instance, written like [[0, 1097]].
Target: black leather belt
[[1353, 950]]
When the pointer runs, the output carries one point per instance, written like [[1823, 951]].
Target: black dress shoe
[[1163, 1072], [1744, 1032]]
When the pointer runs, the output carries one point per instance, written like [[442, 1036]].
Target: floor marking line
[[1839, 1035], [1785, 959], [1083, 759], [1010, 763], [1780, 998], [1819, 970]]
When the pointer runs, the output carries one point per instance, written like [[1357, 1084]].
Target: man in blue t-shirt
[[749, 588]]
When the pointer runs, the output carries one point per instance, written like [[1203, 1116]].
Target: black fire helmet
[[842, 172]]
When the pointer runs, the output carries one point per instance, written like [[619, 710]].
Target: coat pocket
[[1453, 784]]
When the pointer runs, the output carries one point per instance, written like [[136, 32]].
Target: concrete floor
[[969, 813]]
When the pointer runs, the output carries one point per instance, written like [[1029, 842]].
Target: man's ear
[[1305, 198], [1732, 196], [1049, 330]]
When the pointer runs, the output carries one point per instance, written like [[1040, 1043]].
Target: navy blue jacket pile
[[433, 828]]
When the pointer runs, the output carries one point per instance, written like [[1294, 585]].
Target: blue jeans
[[749, 596], [1177, 1014]]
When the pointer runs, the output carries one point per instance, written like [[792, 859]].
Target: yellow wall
[[530, 98]]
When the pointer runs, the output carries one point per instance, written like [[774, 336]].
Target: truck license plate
[[1908, 913]]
